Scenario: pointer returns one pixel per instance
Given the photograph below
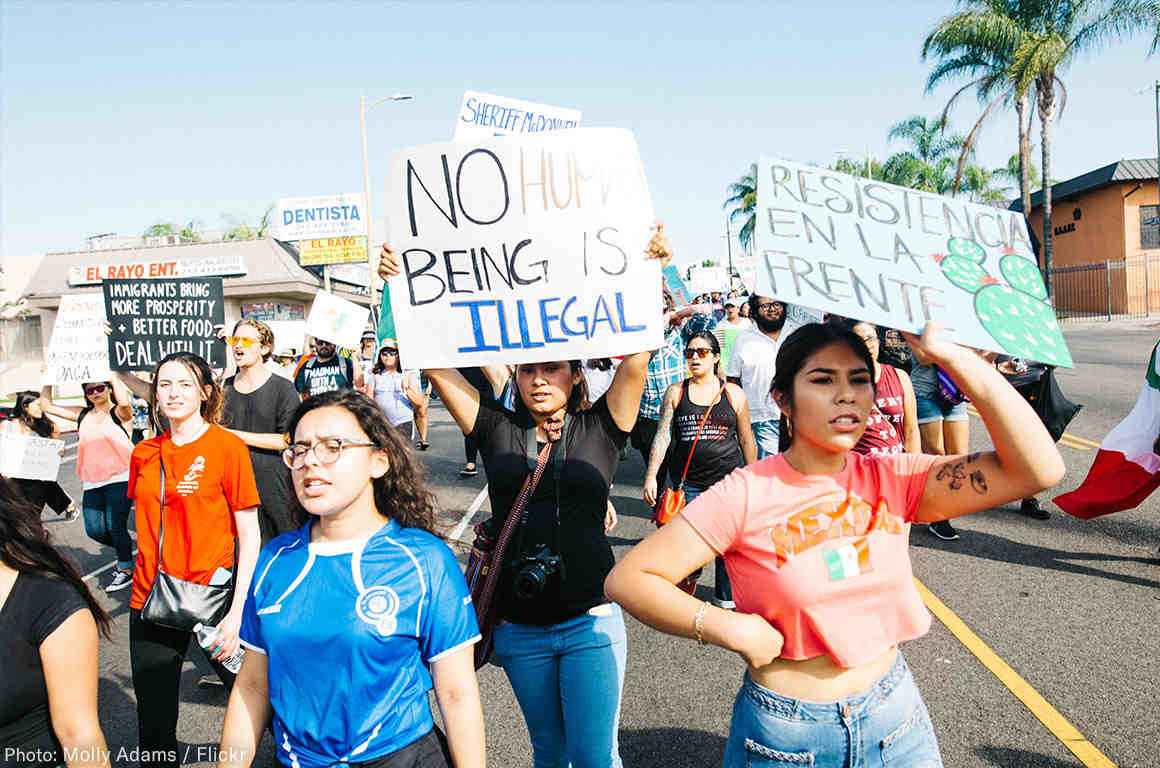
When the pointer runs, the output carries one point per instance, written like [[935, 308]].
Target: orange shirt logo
[[189, 484], [814, 525]]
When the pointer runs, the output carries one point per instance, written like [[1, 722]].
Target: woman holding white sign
[[104, 444], [561, 642], [815, 542], [31, 421]]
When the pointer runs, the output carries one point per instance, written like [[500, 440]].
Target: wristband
[[699, 623]]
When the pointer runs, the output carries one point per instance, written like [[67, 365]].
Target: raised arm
[[660, 446], [68, 412], [911, 438], [134, 383], [623, 397], [457, 393], [123, 401], [1025, 460]]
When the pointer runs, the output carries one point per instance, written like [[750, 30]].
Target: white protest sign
[[899, 257], [708, 279], [523, 249], [310, 218], [483, 115], [29, 457], [336, 320], [78, 351]]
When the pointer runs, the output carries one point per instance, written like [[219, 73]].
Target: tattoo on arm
[[955, 475], [978, 482], [661, 441]]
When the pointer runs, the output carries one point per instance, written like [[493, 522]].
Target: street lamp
[[368, 210]]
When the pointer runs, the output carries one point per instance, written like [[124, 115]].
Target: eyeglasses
[[94, 389], [767, 306], [245, 342], [326, 451], [698, 352], [391, 352]]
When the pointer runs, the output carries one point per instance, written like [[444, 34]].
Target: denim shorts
[[885, 726], [935, 409]]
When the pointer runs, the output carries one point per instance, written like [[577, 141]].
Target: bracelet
[[699, 623]]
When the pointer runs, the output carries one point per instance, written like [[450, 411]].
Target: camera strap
[[559, 456]]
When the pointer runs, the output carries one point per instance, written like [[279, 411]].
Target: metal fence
[[1107, 290]]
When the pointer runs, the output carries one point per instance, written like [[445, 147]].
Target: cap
[[732, 302]]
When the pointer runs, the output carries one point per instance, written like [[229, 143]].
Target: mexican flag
[[1126, 469]]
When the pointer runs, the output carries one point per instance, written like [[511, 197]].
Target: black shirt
[[593, 451], [266, 410], [35, 608], [316, 377], [717, 452]]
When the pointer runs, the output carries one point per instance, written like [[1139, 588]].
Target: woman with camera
[[561, 643], [706, 421], [816, 541]]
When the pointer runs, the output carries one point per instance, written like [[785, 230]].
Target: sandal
[[469, 470], [422, 445]]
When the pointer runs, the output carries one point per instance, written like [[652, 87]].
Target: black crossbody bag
[[177, 603]]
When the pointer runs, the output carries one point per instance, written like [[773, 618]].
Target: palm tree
[[926, 163], [160, 229], [1057, 32], [742, 206], [1012, 172]]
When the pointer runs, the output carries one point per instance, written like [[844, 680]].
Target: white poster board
[[898, 257], [484, 115], [29, 457], [337, 320], [523, 249], [79, 350], [309, 218], [708, 279]]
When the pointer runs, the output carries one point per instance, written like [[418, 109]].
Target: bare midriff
[[819, 679]]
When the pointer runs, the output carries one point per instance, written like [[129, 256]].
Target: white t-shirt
[[742, 324], [754, 361]]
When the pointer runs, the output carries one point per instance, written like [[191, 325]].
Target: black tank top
[[718, 452]]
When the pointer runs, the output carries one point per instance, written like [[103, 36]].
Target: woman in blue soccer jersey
[[355, 616]]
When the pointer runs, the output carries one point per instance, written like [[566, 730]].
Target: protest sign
[[484, 115], [78, 351], [899, 257], [708, 279], [29, 457], [93, 274], [332, 250], [726, 338], [524, 249], [676, 285], [153, 318], [312, 218], [336, 320]]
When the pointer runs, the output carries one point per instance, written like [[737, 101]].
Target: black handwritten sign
[[523, 249], [153, 318], [899, 258]]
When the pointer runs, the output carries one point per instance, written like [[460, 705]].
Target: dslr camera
[[533, 570]]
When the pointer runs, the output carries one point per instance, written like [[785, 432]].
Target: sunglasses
[[245, 342], [698, 352], [94, 389], [391, 352]]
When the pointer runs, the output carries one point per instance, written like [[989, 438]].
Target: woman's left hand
[[228, 642], [658, 247]]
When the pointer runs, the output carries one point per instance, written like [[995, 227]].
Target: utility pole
[[729, 247], [1158, 154]]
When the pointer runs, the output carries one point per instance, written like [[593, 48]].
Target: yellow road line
[[1088, 753], [1068, 439]]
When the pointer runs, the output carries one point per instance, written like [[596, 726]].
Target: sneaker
[[422, 445], [1031, 508], [944, 530], [70, 514], [469, 470], [210, 681], [121, 579], [727, 605]]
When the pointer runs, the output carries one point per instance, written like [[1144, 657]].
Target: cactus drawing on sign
[[1017, 315]]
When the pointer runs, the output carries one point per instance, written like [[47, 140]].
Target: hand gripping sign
[[523, 249]]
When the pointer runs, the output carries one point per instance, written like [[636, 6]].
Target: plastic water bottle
[[207, 639]]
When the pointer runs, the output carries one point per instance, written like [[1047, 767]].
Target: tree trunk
[[1022, 106], [1046, 90]]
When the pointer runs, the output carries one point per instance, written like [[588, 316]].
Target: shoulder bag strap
[[700, 427], [161, 512]]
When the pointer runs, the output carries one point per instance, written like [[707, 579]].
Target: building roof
[[1123, 170], [271, 267]]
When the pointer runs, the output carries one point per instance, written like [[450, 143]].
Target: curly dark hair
[[25, 546], [402, 493]]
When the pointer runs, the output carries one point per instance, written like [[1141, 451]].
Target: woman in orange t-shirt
[[815, 543], [210, 500]]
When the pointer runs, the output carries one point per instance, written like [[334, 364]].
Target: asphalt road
[[1072, 606]]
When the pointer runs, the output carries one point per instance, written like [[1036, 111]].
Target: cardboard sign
[[676, 285], [78, 351], [312, 218], [154, 318], [332, 250], [899, 258], [336, 320], [93, 274], [484, 115], [708, 279], [29, 457], [524, 249]]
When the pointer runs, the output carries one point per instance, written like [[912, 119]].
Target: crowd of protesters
[[288, 512]]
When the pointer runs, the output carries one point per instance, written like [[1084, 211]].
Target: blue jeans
[[935, 409], [883, 727], [568, 679], [766, 435], [106, 513], [722, 589]]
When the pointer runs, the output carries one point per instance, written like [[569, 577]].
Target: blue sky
[[118, 115]]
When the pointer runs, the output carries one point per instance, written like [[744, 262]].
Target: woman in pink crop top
[[815, 543]]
